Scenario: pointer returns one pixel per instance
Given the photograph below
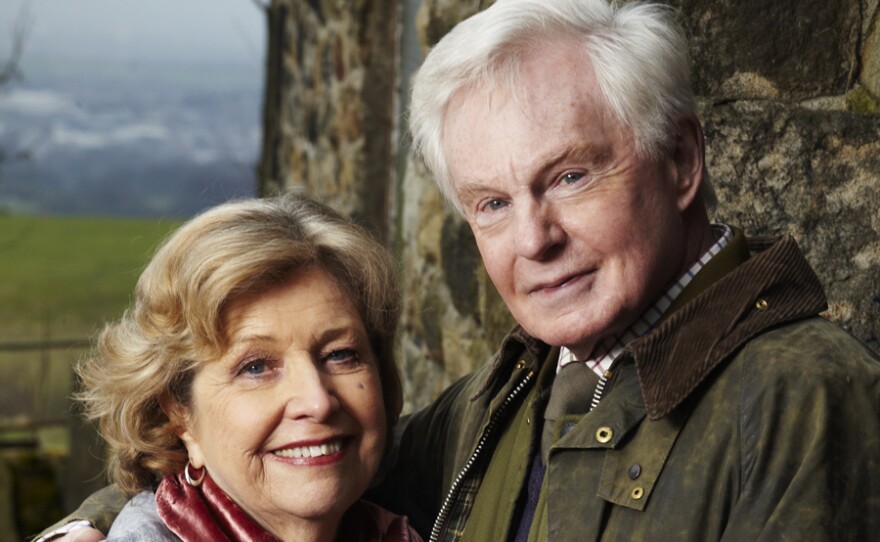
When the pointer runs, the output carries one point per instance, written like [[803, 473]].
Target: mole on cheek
[[360, 385]]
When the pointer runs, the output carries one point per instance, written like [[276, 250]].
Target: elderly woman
[[248, 393]]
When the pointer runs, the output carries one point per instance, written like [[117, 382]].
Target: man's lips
[[552, 285]]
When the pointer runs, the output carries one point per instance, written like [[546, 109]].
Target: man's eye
[[495, 204], [571, 178]]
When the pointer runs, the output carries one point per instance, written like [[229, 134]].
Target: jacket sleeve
[[810, 422], [99, 508]]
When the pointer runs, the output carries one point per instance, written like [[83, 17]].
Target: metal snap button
[[634, 471], [604, 434]]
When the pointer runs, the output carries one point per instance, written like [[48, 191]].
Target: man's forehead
[[482, 128], [533, 94]]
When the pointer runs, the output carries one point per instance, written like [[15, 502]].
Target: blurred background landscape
[[117, 122]]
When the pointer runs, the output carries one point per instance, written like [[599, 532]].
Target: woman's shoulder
[[139, 521]]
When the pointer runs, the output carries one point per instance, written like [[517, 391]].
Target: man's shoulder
[[811, 352], [807, 400]]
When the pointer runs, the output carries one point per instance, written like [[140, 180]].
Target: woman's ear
[[688, 158], [182, 425]]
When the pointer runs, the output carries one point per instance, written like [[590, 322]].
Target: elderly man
[[695, 394], [665, 383]]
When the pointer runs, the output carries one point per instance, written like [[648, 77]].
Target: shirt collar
[[608, 350]]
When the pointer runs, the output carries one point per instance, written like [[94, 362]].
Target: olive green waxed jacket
[[743, 416]]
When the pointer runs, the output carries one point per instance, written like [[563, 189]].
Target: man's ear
[[688, 155], [181, 422]]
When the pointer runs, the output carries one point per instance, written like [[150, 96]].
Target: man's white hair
[[638, 52]]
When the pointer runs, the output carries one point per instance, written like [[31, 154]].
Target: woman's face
[[290, 421]]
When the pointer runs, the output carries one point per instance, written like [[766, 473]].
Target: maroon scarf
[[205, 513]]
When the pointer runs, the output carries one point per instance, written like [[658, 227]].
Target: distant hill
[[139, 140]]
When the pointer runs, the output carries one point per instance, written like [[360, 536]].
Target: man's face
[[578, 233]]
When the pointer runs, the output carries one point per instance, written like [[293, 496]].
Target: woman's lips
[[328, 448], [314, 453]]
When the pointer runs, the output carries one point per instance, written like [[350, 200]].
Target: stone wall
[[328, 118], [788, 92], [789, 106]]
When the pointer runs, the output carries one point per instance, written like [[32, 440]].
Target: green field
[[64, 277]]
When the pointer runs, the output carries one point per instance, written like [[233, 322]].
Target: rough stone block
[[870, 76], [814, 174], [784, 49]]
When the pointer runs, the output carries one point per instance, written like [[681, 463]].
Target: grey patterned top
[[139, 522]]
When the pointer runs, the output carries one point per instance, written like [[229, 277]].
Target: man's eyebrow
[[594, 155], [470, 187]]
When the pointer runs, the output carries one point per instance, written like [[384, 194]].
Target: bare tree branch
[[11, 72], [20, 29], [262, 4]]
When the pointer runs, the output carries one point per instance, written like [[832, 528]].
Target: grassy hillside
[[63, 277]]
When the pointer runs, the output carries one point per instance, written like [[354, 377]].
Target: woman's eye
[[342, 359], [254, 368], [343, 355]]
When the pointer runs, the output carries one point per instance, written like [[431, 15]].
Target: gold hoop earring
[[189, 479]]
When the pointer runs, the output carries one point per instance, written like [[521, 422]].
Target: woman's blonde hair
[[144, 364]]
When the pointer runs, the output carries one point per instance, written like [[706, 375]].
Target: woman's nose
[[310, 395]]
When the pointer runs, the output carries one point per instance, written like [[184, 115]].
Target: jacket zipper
[[600, 389], [456, 485]]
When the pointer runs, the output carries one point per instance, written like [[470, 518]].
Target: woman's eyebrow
[[337, 332], [329, 333]]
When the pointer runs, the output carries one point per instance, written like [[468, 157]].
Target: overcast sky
[[165, 30], [131, 89]]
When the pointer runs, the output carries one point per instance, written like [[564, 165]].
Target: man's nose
[[310, 394], [538, 230]]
